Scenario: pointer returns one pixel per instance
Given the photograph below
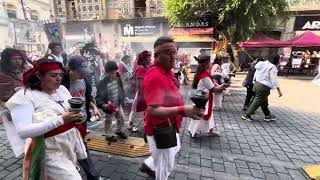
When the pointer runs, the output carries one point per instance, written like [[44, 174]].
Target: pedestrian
[[218, 77], [12, 65], [77, 81], [203, 81], [111, 98], [265, 80], [55, 52], [139, 104], [248, 84], [42, 124], [165, 110], [125, 70]]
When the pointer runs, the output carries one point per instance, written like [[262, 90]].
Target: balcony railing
[[303, 5], [129, 13]]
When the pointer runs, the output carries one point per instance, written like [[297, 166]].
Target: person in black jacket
[[111, 98], [77, 81]]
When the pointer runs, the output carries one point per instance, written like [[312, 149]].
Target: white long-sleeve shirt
[[35, 113], [266, 73]]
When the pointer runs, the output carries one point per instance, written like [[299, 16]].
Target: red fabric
[[121, 69], [140, 71], [307, 39], [16, 54], [161, 88], [61, 129], [141, 103], [210, 108], [261, 40], [49, 67], [26, 75], [41, 68]]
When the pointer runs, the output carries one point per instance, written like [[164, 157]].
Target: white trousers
[[218, 100], [161, 160]]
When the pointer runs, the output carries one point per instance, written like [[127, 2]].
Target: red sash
[[66, 127], [210, 108]]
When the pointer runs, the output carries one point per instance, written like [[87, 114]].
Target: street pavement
[[244, 150]]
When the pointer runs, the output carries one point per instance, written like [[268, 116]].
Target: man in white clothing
[[265, 79]]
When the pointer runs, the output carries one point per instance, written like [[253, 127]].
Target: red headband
[[165, 46], [49, 67], [16, 54], [41, 68]]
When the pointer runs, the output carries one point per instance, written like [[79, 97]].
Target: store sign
[[199, 24], [140, 30], [304, 23]]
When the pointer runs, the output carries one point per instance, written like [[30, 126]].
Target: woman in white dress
[[216, 72], [204, 81], [42, 125]]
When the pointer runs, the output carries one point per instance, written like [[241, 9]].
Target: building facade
[[115, 25], [305, 17], [21, 24]]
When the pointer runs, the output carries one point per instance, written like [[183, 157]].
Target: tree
[[237, 19]]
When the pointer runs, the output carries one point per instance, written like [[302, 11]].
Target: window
[[34, 15], [140, 8], [11, 11]]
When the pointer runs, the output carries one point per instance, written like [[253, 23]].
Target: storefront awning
[[261, 40], [190, 31], [193, 38]]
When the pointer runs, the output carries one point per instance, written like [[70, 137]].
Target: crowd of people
[[40, 123]]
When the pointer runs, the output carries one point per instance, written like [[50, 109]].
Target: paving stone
[[257, 173], [206, 163], [218, 167], [195, 159], [217, 160], [267, 169], [180, 176], [296, 175], [241, 164], [254, 166], [14, 167], [206, 178], [207, 172], [194, 176], [269, 176], [244, 171], [4, 173], [284, 176]]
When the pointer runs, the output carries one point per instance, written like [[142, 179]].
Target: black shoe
[[122, 135], [270, 118], [111, 139], [145, 169], [247, 118]]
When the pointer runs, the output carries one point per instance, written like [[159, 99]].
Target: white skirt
[[201, 125], [62, 154]]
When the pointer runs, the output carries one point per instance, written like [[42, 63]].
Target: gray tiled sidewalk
[[245, 150]]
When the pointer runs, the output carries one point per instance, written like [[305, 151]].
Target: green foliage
[[240, 18]]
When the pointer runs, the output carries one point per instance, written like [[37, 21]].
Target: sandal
[[213, 133], [133, 128]]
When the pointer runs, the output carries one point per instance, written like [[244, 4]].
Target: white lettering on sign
[[139, 30], [312, 25], [128, 30], [197, 24]]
